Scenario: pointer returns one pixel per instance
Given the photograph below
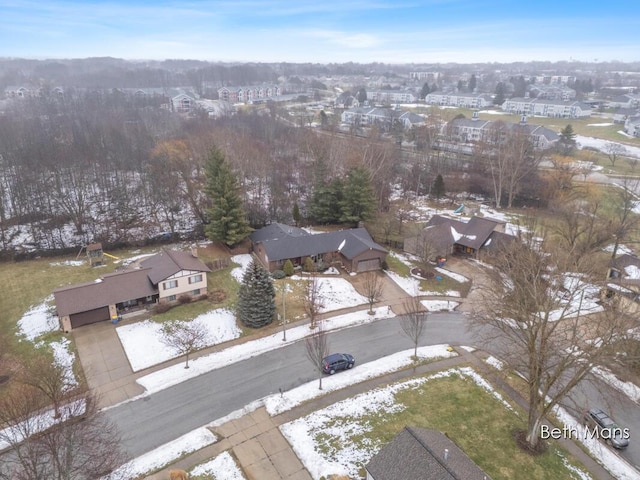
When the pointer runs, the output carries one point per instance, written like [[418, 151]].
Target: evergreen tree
[[425, 91], [256, 297], [296, 214], [324, 207], [287, 268], [362, 95], [438, 189], [358, 200], [567, 140], [473, 83], [227, 218], [501, 92]]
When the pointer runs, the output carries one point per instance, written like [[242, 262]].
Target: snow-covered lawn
[[143, 345], [38, 320], [412, 286], [244, 260], [337, 293], [439, 305], [222, 467]]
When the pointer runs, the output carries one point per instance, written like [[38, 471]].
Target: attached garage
[[90, 316], [368, 265]]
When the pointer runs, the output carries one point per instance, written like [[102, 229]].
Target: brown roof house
[[422, 454], [160, 278], [354, 249], [623, 281], [443, 236]]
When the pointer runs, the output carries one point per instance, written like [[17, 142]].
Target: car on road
[[337, 361], [600, 425]]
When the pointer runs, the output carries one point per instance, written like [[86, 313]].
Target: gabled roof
[[473, 234], [170, 262], [109, 290], [418, 454], [280, 245]]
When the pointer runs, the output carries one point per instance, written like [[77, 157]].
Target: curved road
[[164, 416]]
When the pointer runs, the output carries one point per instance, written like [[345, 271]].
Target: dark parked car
[[337, 361], [603, 427]]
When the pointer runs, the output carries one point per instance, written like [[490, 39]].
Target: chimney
[[475, 115], [523, 120], [194, 251], [446, 454]]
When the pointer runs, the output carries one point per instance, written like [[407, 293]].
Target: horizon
[[276, 31]]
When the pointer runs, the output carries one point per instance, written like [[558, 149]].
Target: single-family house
[[354, 249], [623, 281], [422, 454], [163, 277], [443, 236]]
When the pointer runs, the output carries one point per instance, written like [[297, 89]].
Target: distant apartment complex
[[460, 100], [382, 117], [248, 94], [547, 108], [390, 96]]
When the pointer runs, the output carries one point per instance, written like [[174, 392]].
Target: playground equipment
[[95, 254]]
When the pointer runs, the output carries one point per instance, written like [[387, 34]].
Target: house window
[[195, 292], [171, 298], [170, 284], [195, 279]]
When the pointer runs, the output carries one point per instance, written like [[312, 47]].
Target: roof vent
[[446, 454]]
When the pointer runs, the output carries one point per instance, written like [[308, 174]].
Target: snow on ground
[[68, 263], [276, 404], [143, 345], [64, 357], [412, 286], [176, 374], [622, 249], [38, 321], [630, 389], [439, 305], [244, 260], [494, 362], [456, 276], [222, 467], [164, 454], [337, 293], [600, 144], [340, 421]]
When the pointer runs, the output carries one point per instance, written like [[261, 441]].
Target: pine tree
[[324, 207], [473, 83], [567, 140], [438, 189], [358, 202], [425, 91], [501, 91], [296, 214], [287, 268], [227, 218], [256, 297]]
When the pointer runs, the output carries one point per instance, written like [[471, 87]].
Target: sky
[[323, 31]]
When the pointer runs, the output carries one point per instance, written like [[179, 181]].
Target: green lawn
[[472, 416]]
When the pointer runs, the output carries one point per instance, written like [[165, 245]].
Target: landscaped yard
[[343, 437]]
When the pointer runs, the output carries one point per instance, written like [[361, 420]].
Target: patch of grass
[[472, 417], [396, 266]]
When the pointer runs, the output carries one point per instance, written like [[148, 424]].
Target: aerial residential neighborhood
[[319, 241]]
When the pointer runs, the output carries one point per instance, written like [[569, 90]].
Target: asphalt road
[[164, 416]]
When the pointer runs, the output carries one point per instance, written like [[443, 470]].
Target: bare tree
[[625, 221], [534, 314], [50, 378], [372, 285], [614, 151], [184, 337], [81, 444], [414, 322], [317, 348], [312, 300]]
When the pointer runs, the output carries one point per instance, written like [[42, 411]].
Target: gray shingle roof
[[419, 454], [281, 247]]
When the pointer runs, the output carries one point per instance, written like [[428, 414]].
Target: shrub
[[308, 265], [203, 296], [278, 274], [287, 268], [321, 266], [384, 265], [162, 307], [182, 299], [218, 296]]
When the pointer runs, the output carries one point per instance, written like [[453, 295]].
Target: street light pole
[[284, 312]]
